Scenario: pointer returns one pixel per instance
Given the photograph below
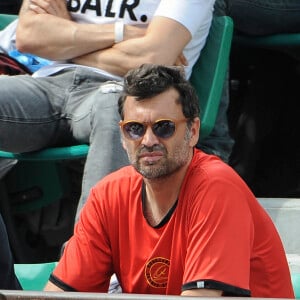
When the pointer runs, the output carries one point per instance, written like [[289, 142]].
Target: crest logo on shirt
[[157, 272]]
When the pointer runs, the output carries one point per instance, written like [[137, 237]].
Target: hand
[[52, 7], [181, 60]]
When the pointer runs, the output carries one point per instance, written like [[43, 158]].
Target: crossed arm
[[46, 29]]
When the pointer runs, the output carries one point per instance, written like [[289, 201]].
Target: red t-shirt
[[218, 237]]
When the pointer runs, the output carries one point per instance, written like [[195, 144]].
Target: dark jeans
[[10, 6], [8, 278], [260, 17]]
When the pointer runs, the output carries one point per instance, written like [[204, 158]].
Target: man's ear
[[195, 132], [124, 145], [122, 141]]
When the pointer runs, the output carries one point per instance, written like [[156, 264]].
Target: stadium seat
[[5, 19], [296, 284], [33, 277], [272, 41]]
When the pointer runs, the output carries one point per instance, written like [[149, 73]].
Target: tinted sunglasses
[[162, 128]]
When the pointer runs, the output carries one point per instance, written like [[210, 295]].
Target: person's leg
[[260, 17], [31, 113], [74, 105], [8, 279], [6, 165], [95, 121]]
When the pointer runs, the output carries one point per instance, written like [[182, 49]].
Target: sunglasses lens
[[164, 128], [134, 130]]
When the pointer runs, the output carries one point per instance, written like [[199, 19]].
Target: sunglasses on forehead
[[162, 128]]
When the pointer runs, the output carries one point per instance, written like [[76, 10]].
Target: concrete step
[[285, 213]]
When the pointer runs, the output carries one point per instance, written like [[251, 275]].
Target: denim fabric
[[6, 165], [74, 106], [8, 279], [260, 17], [220, 7]]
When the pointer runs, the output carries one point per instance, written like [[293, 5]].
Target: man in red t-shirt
[[178, 221]]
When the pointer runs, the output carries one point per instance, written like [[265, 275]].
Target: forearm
[[158, 46], [59, 39], [114, 60], [50, 287], [48, 31]]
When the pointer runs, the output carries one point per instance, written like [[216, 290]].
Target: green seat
[[33, 277], [273, 41], [5, 19], [210, 70], [296, 284], [50, 154]]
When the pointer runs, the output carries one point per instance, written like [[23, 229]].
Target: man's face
[[151, 155]]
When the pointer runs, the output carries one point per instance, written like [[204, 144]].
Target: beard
[[166, 166]]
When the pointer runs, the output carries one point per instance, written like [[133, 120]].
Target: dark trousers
[[8, 280]]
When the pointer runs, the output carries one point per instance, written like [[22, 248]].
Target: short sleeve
[[86, 261], [192, 13], [220, 239]]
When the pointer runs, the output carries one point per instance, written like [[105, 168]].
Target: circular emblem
[[157, 272]]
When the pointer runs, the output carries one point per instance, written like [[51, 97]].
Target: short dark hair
[[150, 80]]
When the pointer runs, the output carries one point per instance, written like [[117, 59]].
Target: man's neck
[[161, 195]]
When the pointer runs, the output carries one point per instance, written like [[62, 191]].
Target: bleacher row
[[284, 212]]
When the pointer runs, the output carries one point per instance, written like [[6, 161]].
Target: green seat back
[[296, 284], [210, 71], [6, 19], [33, 277], [50, 154], [272, 41], [36, 184]]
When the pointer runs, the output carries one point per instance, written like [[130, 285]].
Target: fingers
[[42, 6], [36, 9], [181, 60], [53, 7]]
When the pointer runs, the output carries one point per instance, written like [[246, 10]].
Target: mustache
[[145, 149]]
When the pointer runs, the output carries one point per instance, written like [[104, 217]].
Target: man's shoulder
[[121, 188], [203, 162], [207, 168], [123, 176]]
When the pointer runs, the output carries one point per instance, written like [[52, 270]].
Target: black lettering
[[129, 8], [73, 5], [108, 12], [87, 5]]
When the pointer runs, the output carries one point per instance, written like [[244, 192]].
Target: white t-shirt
[[195, 15]]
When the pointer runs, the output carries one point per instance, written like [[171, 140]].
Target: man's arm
[[48, 31], [50, 287], [202, 293], [163, 43]]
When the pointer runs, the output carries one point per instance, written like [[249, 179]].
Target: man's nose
[[149, 138]]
